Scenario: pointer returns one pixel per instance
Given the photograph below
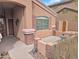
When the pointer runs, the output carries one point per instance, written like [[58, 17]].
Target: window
[[42, 22]]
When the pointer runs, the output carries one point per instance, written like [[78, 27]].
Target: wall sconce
[[17, 21]]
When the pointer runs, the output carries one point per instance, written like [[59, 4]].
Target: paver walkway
[[17, 49]]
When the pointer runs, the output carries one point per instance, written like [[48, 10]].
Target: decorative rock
[[5, 55]]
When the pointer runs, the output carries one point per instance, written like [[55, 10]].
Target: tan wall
[[28, 14], [25, 19], [73, 22], [18, 13], [39, 11], [71, 18], [71, 5]]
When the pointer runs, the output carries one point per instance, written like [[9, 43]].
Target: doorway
[[6, 27], [10, 27], [64, 26]]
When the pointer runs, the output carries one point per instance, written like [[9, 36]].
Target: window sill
[[43, 30]]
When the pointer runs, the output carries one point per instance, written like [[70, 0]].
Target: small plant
[[4, 55]]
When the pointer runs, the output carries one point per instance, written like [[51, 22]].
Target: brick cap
[[37, 38], [53, 27], [42, 42], [51, 44], [70, 32], [28, 31]]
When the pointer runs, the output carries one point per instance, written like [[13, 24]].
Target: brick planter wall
[[29, 36], [64, 49]]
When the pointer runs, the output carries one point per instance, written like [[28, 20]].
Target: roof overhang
[[11, 2], [67, 8]]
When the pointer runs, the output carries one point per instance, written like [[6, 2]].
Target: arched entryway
[[64, 25]]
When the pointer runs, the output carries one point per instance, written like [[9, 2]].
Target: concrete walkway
[[7, 43], [16, 48], [21, 51]]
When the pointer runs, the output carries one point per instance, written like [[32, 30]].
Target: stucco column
[[28, 14], [54, 30], [29, 36], [36, 42]]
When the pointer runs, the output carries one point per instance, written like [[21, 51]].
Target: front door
[[10, 27], [64, 26]]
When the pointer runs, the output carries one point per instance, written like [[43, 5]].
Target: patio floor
[[7, 43], [16, 48]]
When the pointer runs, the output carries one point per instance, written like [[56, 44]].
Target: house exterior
[[21, 17], [66, 15]]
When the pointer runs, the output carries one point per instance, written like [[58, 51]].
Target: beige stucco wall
[[39, 11], [71, 5], [71, 18], [24, 14], [28, 14], [19, 14], [73, 22]]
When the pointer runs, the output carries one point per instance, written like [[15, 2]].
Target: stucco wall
[[18, 14], [71, 17], [71, 5], [28, 14], [39, 11]]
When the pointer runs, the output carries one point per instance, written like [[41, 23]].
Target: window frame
[[40, 19]]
